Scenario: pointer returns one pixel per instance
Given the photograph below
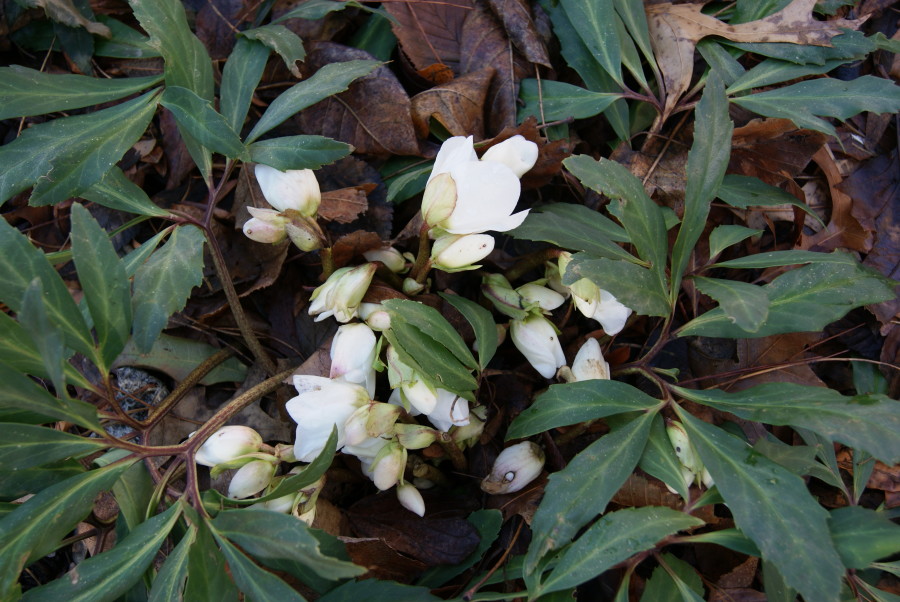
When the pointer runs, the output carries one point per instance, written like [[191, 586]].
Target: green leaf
[[38, 525], [169, 583], [26, 446], [207, 126], [430, 359], [553, 100], [327, 81], [405, 179], [24, 400], [635, 19], [707, 161], [659, 459], [571, 403], [107, 289], [280, 541], [298, 152], [613, 539], [134, 494], [47, 339], [721, 60], [636, 287], [240, 76], [125, 43], [724, 236], [25, 92], [482, 323], [803, 300], [15, 484], [773, 508], [581, 491], [745, 304], [732, 539], [578, 228], [488, 523], [862, 536], [112, 574], [805, 101], [779, 258], [867, 422], [178, 357], [775, 71], [283, 41], [745, 191], [19, 352], [163, 284], [208, 577], [255, 582], [66, 156], [373, 590], [314, 10], [116, 191], [596, 26], [66, 13], [432, 324]]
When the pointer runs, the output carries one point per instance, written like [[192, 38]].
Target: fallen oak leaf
[[676, 29]]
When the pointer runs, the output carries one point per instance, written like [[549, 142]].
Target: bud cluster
[[295, 196]]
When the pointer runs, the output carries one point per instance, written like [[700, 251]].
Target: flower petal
[[454, 151]]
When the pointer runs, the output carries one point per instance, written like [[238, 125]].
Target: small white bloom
[[516, 153], [536, 338], [251, 478], [321, 405], [596, 303], [388, 466], [341, 294], [589, 363], [389, 256], [455, 252], [450, 410], [228, 443], [353, 355], [541, 296], [514, 468], [266, 226], [295, 189], [375, 316], [411, 499]]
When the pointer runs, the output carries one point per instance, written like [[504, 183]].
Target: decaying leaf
[[64, 11], [345, 205], [773, 150], [676, 29], [843, 230], [457, 105], [519, 27]]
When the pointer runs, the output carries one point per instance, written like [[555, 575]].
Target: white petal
[[454, 151], [589, 363], [487, 194], [516, 153], [411, 499], [536, 339], [450, 410], [611, 314]]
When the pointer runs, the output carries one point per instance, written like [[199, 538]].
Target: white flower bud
[[514, 468], [535, 337], [375, 316], [506, 299], [683, 449], [295, 189], [251, 478], [266, 226], [389, 464], [439, 199], [536, 295], [305, 233], [228, 443], [353, 356], [389, 256], [411, 287], [453, 252], [589, 363], [411, 499], [342, 293], [450, 410], [516, 153]]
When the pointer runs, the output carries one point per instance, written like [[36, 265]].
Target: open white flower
[[353, 355], [536, 338], [321, 405], [596, 303], [589, 363], [295, 189]]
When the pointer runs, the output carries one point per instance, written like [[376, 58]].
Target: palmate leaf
[[432, 324], [867, 422], [772, 507], [113, 573]]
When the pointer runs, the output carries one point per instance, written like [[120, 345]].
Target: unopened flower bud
[[251, 478], [589, 363], [415, 436], [536, 295], [467, 433], [501, 293], [535, 337], [388, 466], [305, 233], [266, 226], [342, 293], [381, 418], [411, 499], [285, 452], [411, 287], [353, 356], [516, 153], [389, 256], [514, 468], [375, 316], [439, 199], [458, 252], [228, 443], [295, 189], [683, 449]]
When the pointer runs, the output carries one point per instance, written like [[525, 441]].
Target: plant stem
[[196, 375]]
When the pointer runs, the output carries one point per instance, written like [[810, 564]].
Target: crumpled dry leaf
[[64, 12], [457, 105], [676, 29], [519, 26], [772, 150], [345, 205]]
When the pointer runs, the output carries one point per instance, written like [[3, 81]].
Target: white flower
[[458, 252], [535, 337], [485, 195], [387, 468], [342, 293], [411, 499], [389, 256], [375, 316], [266, 225], [589, 363], [514, 468], [516, 153], [536, 295], [353, 355], [251, 478], [596, 303], [450, 410], [321, 405], [295, 189], [228, 443]]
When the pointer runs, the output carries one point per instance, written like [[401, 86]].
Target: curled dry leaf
[[772, 150], [345, 205], [457, 105], [352, 245], [843, 230], [519, 26], [676, 29]]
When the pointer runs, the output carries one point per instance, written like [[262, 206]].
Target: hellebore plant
[[295, 196]]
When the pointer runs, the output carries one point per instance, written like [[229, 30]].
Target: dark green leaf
[[745, 191], [596, 26], [614, 538], [26, 446], [663, 587], [19, 352], [256, 583], [850, 44], [66, 156], [431, 323], [659, 459], [116, 191], [280, 540], [577, 228], [720, 60], [724, 236], [47, 338], [106, 287], [745, 304], [863, 536], [775, 71], [240, 76], [430, 359], [482, 323], [163, 284], [327, 81], [707, 161], [25, 92], [298, 152], [373, 590], [283, 41], [805, 101], [581, 491], [208, 577], [316, 9], [134, 494], [207, 126], [169, 583], [634, 286], [635, 19], [125, 43], [406, 180], [488, 523], [802, 300], [554, 100], [773, 508], [111, 574], [779, 258], [15, 484], [776, 589], [38, 525], [571, 403], [867, 422], [24, 400], [178, 357], [732, 539]]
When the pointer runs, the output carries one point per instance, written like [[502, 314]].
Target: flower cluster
[[239, 447], [295, 196]]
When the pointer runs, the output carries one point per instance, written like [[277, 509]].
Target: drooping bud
[[458, 252], [501, 293], [353, 356], [514, 468], [375, 316], [251, 478], [439, 199], [516, 153], [540, 296], [415, 436], [389, 256], [342, 293], [411, 287], [228, 443], [535, 337], [411, 499], [266, 226], [305, 233], [589, 363], [295, 189], [683, 449], [388, 466]]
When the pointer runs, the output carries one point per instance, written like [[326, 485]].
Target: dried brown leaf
[[344, 205], [520, 28], [430, 32], [772, 150], [457, 105], [351, 245], [843, 229]]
